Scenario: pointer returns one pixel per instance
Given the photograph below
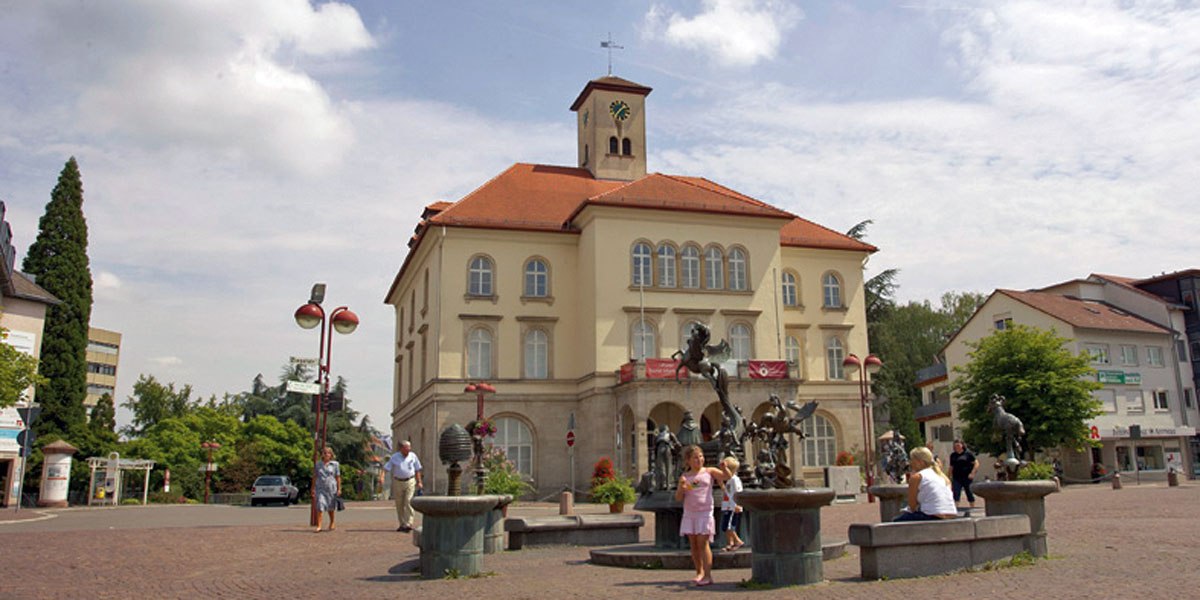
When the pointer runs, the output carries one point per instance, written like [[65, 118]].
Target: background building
[[569, 287], [23, 313], [103, 355], [1134, 340]]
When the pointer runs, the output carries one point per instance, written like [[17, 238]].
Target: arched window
[[480, 277], [516, 441], [740, 342], [626, 147], [790, 297], [612, 145], [831, 290], [537, 347], [666, 266], [641, 264], [479, 353], [714, 268], [737, 269], [643, 340], [690, 267], [791, 348], [834, 354], [819, 442], [537, 278]]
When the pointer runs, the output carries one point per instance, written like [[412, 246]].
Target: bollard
[[566, 503], [1172, 478], [1116, 481]]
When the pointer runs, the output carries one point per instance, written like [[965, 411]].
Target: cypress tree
[[59, 262]]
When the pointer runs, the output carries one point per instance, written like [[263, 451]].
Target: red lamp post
[[343, 321], [477, 436], [210, 446], [865, 368]]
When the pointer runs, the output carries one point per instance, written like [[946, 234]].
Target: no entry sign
[[570, 438]]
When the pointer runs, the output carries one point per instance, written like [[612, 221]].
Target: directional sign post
[[303, 387]]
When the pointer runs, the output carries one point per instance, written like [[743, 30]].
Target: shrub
[[844, 459], [617, 490], [127, 501], [503, 476], [1034, 471]]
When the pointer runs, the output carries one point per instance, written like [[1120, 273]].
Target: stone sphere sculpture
[[454, 446]]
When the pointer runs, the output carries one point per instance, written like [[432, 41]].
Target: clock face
[[620, 111]]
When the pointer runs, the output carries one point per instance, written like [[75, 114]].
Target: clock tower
[[611, 120]]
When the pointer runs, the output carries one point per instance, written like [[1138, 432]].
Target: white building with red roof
[[1135, 340], [568, 289]]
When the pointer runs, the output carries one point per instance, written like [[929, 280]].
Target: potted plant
[[503, 478], [615, 492]]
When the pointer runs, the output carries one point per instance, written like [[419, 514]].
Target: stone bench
[[575, 530], [917, 549]]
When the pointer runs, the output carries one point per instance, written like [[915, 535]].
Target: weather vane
[[610, 45]]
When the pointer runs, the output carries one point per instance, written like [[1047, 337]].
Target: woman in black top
[[963, 465]]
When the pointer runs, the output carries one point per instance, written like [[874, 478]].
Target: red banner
[[661, 368], [768, 369], [626, 372]]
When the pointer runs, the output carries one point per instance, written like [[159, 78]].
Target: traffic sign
[[1095, 432], [303, 387], [297, 360], [570, 438]]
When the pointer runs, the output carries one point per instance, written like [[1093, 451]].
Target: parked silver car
[[273, 488]]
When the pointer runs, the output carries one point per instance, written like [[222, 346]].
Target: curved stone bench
[[575, 530], [920, 548]]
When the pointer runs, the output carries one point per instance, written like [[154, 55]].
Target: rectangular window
[[1098, 352], [1160, 400], [1107, 400], [1187, 397], [1129, 355], [1154, 356], [1181, 349], [1135, 403], [1005, 323]]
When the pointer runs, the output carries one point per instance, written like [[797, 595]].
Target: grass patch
[[1021, 559], [455, 574], [750, 584]]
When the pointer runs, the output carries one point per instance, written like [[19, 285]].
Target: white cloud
[[1076, 151], [167, 361], [224, 79], [734, 32]]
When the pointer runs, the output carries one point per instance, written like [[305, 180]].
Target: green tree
[[879, 290], [58, 261], [909, 337], [102, 426], [1044, 384], [153, 402], [18, 371]]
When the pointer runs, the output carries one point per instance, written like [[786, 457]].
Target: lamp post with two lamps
[[477, 433], [343, 321], [865, 369]]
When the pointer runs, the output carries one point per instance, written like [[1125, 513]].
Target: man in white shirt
[[405, 469]]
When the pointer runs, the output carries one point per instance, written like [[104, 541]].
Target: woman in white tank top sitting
[[929, 494]]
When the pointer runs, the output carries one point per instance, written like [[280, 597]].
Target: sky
[[234, 153]]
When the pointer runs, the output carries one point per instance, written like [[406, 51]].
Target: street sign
[[297, 360], [303, 387], [333, 401], [570, 438]]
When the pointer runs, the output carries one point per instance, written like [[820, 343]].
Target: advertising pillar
[[56, 474]]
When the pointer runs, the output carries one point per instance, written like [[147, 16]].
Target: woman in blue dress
[[328, 487]]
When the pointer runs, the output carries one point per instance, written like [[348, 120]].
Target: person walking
[[696, 492], [405, 469], [963, 465], [329, 487]]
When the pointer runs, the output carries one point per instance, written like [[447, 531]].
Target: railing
[[934, 409]]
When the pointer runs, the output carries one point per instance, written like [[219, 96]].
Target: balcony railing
[[929, 411]]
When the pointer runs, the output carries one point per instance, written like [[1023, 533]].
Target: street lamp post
[[865, 368], [341, 320], [477, 436], [210, 446]]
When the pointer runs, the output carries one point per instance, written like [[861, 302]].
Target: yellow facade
[[103, 356], [588, 318]]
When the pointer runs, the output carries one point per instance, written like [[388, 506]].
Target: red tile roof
[[611, 83], [806, 234], [1086, 314], [690, 194]]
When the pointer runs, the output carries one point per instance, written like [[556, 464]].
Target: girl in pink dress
[[696, 491]]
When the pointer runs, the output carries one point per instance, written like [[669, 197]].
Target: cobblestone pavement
[[1142, 541]]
